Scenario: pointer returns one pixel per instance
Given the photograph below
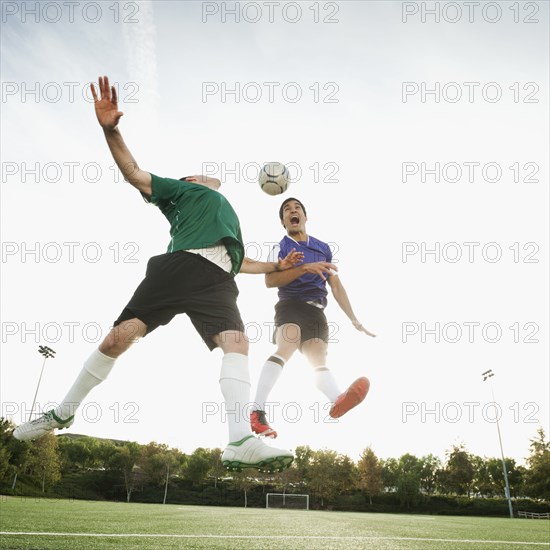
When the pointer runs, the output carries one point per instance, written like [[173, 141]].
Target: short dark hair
[[288, 200]]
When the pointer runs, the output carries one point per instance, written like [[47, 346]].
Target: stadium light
[[47, 353], [487, 375]]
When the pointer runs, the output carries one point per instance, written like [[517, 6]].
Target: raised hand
[[361, 328], [320, 268], [292, 258], [106, 108]]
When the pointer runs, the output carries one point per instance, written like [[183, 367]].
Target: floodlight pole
[[487, 375], [47, 353]]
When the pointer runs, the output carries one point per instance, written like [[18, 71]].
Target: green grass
[[176, 526]]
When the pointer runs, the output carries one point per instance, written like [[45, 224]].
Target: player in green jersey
[[195, 276]]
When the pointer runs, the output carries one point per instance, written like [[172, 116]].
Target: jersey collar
[[298, 242]]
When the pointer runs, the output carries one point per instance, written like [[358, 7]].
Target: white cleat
[[250, 452], [41, 426]]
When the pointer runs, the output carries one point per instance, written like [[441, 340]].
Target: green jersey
[[199, 217]]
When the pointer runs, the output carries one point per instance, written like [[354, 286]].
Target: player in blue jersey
[[300, 320]]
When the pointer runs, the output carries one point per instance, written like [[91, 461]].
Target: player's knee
[[232, 342], [286, 350], [316, 351], [289, 336], [122, 337], [109, 347], [242, 347], [242, 343]]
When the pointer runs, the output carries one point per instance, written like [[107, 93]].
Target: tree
[[408, 479], [303, 457], [124, 460], [429, 465], [78, 452], [291, 477], [537, 478], [216, 469], [300, 471], [459, 471], [14, 454], [390, 473], [152, 464], [483, 482], [158, 463], [370, 473], [243, 482], [403, 477], [105, 452], [347, 475], [45, 460], [330, 474], [6, 467], [515, 476], [197, 465]]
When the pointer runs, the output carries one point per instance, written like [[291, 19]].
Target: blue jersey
[[309, 287]]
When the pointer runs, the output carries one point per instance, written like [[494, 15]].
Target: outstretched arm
[[108, 116], [341, 297], [254, 267]]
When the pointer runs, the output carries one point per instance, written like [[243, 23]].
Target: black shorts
[[310, 319], [183, 282]]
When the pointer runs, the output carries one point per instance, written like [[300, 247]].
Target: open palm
[[106, 107], [290, 260]]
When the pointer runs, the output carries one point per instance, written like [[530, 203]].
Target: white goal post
[[287, 500]]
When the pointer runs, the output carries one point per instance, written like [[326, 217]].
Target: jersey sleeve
[[275, 254], [165, 189], [328, 253]]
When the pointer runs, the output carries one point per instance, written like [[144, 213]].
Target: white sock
[[235, 386], [325, 381], [271, 371], [96, 369]]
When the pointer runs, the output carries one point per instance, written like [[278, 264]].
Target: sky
[[416, 134]]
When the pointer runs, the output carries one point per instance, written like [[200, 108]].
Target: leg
[[99, 364], [315, 350], [244, 450], [287, 339], [235, 381], [95, 370]]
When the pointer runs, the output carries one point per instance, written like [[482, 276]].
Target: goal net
[[287, 500]]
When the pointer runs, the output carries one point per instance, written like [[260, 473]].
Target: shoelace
[[46, 417]]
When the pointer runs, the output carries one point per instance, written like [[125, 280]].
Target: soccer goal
[[287, 500]]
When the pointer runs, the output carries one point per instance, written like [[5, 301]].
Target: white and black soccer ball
[[274, 178]]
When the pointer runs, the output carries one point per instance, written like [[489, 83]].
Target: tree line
[[101, 468]]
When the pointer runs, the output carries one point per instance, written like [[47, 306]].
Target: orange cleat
[[350, 398], [260, 425]]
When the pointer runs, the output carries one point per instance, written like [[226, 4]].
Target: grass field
[[66, 524]]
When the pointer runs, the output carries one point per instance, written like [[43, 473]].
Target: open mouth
[[294, 220]]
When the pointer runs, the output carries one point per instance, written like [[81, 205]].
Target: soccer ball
[[274, 178]]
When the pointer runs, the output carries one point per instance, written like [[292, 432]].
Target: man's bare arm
[[254, 267], [132, 173], [283, 278], [108, 116], [341, 297]]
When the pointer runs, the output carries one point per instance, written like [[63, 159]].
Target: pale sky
[[340, 101]]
